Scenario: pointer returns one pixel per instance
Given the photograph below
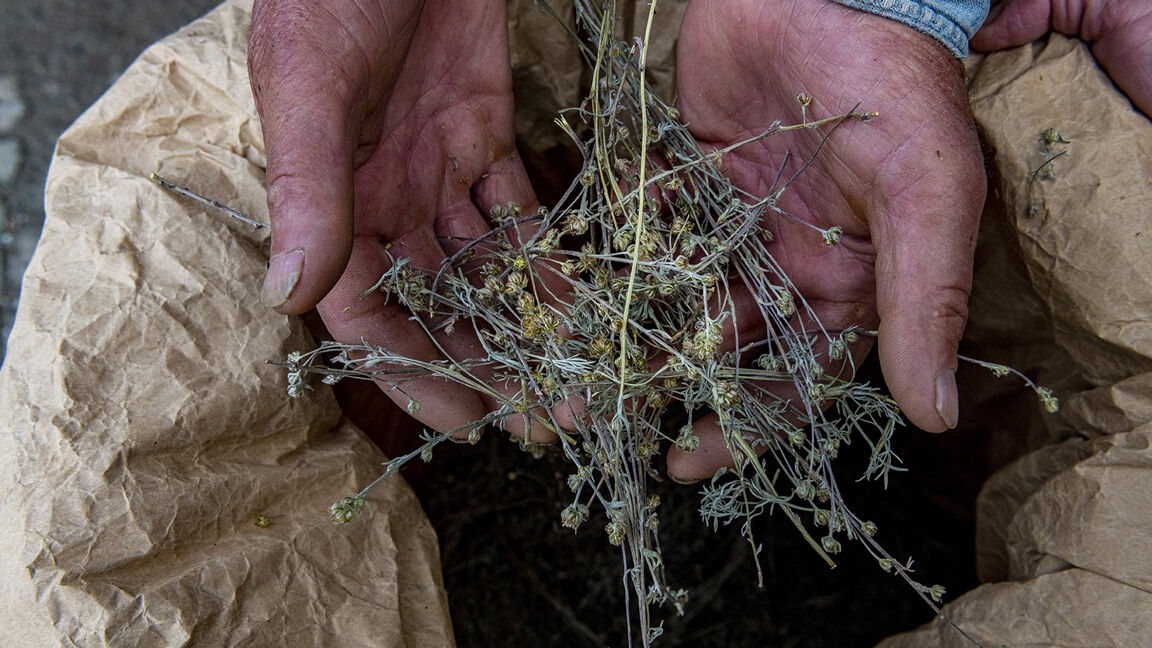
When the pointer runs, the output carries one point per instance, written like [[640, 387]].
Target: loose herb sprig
[[614, 303], [1049, 140]]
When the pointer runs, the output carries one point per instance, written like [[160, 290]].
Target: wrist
[[950, 22]]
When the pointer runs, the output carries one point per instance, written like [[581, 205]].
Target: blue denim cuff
[[952, 22]]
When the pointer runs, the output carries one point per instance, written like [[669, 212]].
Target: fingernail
[[283, 273], [947, 400]]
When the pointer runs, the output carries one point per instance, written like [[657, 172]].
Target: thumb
[[305, 111], [925, 241], [1013, 23]]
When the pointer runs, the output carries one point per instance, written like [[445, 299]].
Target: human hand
[[1120, 32], [389, 131], [906, 189]]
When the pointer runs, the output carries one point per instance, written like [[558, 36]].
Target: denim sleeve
[[952, 22]]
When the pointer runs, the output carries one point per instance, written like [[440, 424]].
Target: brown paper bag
[[1064, 291], [144, 431]]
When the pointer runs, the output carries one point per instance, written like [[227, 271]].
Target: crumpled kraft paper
[[1063, 290], [146, 434], [144, 431]]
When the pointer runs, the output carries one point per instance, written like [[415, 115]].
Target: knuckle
[[282, 190], [949, 313]]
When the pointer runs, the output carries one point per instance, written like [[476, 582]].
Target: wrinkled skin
[[389, 127], [906, 189]]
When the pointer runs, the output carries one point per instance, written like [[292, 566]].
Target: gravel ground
[[56, 58]]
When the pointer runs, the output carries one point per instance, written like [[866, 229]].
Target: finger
[[925, 237], [1013, 23], [352, 316], [713, 451], [1118, 33], [506, 182], [305, 103], [454, 230], [568, 412], [1126, 52]]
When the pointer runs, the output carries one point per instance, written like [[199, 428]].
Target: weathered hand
[[906, 189], [389, 129], [1120, 32]]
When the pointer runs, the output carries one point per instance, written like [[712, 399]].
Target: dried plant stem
[[184, 191]]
